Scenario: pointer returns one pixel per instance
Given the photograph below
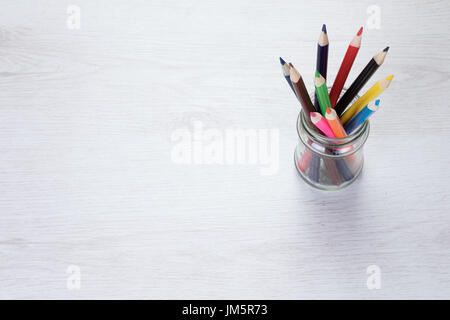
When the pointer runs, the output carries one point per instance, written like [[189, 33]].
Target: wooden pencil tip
[[386, 49], [374, 105], [385, 82], [282, 61], [330, 114], [319, 80], [294, 74], [360, 31], [315, 117]]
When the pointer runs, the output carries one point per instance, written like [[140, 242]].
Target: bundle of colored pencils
[[330, 115]]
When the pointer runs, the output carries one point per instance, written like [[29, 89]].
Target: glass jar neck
[[332, 147]]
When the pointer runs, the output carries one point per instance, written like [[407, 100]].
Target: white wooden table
[[87, 182]]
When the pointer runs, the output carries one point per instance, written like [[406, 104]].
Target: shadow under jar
[[329, 163]]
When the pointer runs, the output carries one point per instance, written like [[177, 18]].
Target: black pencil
[[360, 81]]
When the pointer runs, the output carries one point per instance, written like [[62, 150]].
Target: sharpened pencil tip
[[390, 77], [324, 28], [282, 61], [360, 31], [386, 49]]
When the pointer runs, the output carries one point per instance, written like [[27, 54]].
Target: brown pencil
[[314, 163], [300, 90], [307, 106]]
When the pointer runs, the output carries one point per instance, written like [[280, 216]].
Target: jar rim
[[361, 131]]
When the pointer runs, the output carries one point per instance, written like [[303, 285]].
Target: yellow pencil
[[371, 94]]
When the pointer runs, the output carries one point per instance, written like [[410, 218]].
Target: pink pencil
[[322, 124]]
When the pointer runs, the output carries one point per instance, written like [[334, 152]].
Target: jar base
[[324, 187]]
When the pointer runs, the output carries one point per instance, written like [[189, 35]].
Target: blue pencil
[[285, 68], [362, 116]]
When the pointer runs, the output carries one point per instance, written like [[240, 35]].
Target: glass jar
[[329, 163]]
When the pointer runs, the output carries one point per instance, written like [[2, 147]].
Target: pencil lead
[[360, 31], [324, 28], [386, 49], [317, 74], [282, 61], [377, 102]]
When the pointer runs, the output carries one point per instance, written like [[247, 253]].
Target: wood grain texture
[[86, 177]]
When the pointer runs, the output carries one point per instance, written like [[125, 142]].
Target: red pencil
[[344, 70]]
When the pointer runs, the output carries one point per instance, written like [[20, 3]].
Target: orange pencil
[[337, 128], [335, 123]]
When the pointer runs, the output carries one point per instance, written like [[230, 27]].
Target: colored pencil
[[322, 124], [333, 171], [300, 90], [307, 159], [361, 116], [338, 129], [285, 68], [344, 170], [314, 166], [336, 169], [322, 59], [346, 65], [303, 162], [335, 123], [360, 81], [371, 94], [322, 92]]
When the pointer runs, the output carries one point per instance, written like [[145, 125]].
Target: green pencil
[[322, 93]]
